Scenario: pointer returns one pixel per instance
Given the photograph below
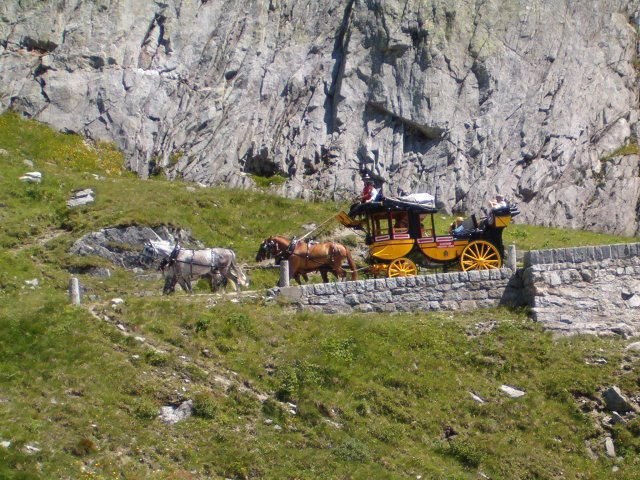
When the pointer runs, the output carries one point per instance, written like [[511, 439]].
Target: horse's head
[[148, 254], [267, 249]]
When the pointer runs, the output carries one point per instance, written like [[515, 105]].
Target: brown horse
[[306, 257]]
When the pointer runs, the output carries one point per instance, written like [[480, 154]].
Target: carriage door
[[427, 228]]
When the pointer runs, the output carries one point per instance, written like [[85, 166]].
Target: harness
[[280, 255]]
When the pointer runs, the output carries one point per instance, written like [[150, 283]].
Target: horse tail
[[352, 265]]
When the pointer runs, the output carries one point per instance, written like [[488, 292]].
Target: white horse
[[217, 265]]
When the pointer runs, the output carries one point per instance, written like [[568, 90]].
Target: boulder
[[122, 245], [634, 347], [615, 401]]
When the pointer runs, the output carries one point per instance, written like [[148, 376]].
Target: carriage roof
[[396, 204]]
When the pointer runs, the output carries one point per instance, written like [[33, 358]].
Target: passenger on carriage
[[498, 203], [457, 226], [369, 192]]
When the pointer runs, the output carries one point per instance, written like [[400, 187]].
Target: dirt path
[[42, 239]]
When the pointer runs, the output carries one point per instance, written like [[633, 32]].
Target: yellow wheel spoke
[[402, 267]]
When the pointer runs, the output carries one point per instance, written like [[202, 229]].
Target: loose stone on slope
[[634, 347], [512, 392], [31, 177], [477, 398], [172, 415], [82, 197], [609, 447]]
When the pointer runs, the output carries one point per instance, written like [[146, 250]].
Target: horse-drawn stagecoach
[[399, 229]]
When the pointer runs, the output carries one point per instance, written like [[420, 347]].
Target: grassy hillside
[[277, 394]]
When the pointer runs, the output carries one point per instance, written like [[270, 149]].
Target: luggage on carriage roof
[[427, 205]]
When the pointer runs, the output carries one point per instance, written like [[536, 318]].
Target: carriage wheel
[[480, 255], [402, 267]]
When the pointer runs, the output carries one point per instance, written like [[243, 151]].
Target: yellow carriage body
[[391, 249], [441, 249]]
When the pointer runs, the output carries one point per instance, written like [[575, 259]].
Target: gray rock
[[617, 418], [31, 177], [31, 449], [634, 347], [26, 162], [512, 392], [5, 444], [624, 330], [122, 245], [81, 197], [172, 415], [477, 398], [609, 448], [4, 153], [99, 272], [215, 92], [615, 401]]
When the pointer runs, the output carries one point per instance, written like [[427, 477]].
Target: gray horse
[[184, 265], [164, 250]]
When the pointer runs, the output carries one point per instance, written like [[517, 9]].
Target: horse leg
[[186, 285], [216, 280], [338, 271], [169, 285], [324, 275]]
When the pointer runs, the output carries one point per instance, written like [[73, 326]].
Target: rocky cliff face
[[534, 99]]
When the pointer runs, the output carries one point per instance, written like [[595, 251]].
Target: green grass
[[373, 393], [266, 182]]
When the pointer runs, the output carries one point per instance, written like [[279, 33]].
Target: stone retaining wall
[[570, 290], [585, 290], [443, 291]]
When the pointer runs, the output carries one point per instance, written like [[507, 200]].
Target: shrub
[[145, 409], [352, 450], [205, 405], [465, 452], [340, 349], [203, 324], [294, 377], [155, 358], [238, 322]]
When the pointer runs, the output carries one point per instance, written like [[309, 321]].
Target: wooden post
[[74, 291], [284, 273], [511, 258]]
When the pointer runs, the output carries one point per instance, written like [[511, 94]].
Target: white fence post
[[74, 291], [511, 258], [284, 273]]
